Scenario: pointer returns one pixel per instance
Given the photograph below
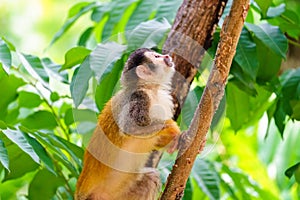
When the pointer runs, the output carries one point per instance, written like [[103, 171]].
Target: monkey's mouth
[[168, 62]]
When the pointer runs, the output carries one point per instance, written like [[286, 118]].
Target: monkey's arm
[[168, 134]]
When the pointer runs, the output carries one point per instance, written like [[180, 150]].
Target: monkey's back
[[106, 175]]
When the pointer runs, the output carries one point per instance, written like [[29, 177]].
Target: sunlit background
[[31, 24]]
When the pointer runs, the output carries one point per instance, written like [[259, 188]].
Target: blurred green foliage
[[31, 25], [50, 61]]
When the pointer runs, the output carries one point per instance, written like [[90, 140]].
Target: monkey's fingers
[[166, 136], [173, 146]]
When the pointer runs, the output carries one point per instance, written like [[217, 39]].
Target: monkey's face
[[156, 68]]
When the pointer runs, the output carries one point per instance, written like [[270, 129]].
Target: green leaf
[[242, 80], [264, 5], [237, 106], [80, 81], [115, 16], [291, 92], [75, 9], [291, 14], [288, 23], [77, 152], [41, 152], [17, 158], [3, 155], [188, 191], [3, 125], [54, 71], [243, 184], [75, 56], [229, 189], [269, 62], [207, 178], [271, 36], [243, 109], [291, 170], [83, 115], [58, 154], [147, 34], [5, 55], [280, 117], [65, 162], [40, 120], [102, 10], [104, 55], [9, 44], [297, 175], [12, 116], [295, 110], [71, 20], [270, 114], [190, 103], [19, 139], [35, 68], [167, 9], [68, 118], [74, 151], [107, 85], [290, 83], [54, 96], [44, 184], [246, 55], [85, 36], [276, 11], [29, 99], [3, 73], [10, 189], [9, 86], [141, 13]]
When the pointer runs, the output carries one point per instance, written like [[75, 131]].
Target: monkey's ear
[[143, 72]]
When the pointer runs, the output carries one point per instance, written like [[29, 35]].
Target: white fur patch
[[161, 105]]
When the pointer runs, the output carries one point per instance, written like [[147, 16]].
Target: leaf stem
[[61, 174], [294, 43], [33, 84]]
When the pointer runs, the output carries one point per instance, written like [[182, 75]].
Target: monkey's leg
[[147, 188]]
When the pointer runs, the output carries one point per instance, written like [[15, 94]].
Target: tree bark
[[190, 35], [210, 100]]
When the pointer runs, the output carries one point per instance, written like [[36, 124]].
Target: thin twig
[[57, 118]]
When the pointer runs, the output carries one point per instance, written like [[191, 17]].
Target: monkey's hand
[[185, 141], [182, 142], [168, 134]]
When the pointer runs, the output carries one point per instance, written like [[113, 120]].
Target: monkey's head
[[145, 66]]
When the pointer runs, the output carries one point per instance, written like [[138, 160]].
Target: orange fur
[[100, 181]]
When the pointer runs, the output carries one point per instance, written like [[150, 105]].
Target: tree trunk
[[210, 100], [190, 35]]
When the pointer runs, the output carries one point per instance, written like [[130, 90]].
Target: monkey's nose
[[168, 61]]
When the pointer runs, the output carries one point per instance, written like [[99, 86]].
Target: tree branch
[[210, 100]]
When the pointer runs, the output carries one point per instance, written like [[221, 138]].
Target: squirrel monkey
[[135, 122]]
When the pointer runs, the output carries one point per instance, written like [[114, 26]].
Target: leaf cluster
[[43, 136]]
